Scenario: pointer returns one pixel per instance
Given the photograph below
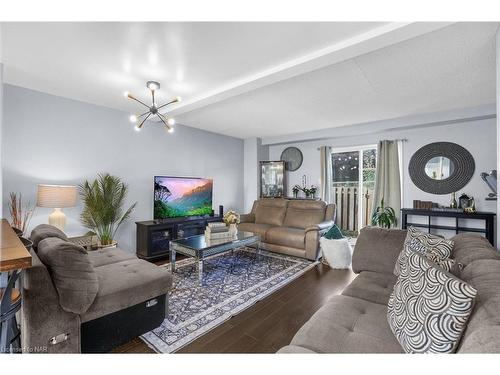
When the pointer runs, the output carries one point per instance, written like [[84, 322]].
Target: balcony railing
[[347, 200]]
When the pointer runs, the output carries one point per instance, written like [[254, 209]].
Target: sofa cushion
[[348, 325], [429, 308], [303, 214], [259, 229], [470, 247], [43, 231], [435, 248], [125, 284], [377, 249], [270, 211], [372, 286], [71, 272], [284, 236], [109, 255], [483, 330], [294, 349]]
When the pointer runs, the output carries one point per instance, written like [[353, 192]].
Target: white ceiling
[[260, 79]]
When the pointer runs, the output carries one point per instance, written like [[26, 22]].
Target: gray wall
[[1, 118], [49, 139], [498, 121], [254, 152], [478, 137]]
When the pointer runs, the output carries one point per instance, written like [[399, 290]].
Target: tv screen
[[182, 196]]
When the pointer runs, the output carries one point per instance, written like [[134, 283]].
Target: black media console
[[153, 236]]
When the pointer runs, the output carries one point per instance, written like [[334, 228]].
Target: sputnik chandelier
[[153, 109]]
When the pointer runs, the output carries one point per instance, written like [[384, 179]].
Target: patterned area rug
[[232, 283]]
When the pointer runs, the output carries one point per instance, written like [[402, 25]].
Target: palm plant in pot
[[384, 217], [103, 212]]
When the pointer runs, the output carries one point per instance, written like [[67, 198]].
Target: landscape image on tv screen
[[182, 196]]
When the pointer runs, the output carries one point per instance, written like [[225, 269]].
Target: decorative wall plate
[[292, 157]]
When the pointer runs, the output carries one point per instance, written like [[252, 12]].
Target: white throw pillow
[[336, 253]]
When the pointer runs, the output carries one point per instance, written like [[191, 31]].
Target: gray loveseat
[[356, 321], [128, 297], [291, 227]]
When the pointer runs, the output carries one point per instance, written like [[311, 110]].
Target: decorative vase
[[453, 203], [233, 229]]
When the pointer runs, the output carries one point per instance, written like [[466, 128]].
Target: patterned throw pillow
[[429, 308], [435, 248]]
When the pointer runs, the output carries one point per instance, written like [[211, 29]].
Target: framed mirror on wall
[[272, 179], [441, 168]]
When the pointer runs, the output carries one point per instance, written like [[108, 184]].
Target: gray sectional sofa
[[356, 321], [128, 296]]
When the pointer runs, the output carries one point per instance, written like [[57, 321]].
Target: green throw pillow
[[334, 233]]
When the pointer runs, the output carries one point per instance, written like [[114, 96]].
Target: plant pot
[[101, 246]]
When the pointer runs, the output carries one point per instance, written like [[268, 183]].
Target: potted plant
[[312, 190], [103, 201], [20, 215], [231, 218], [384, 217], [295, 191]]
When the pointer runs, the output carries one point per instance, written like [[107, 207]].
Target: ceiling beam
[[377, 38]]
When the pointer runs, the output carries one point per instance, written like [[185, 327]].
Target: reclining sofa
[[356, 321], [77, 301], [291, 227]]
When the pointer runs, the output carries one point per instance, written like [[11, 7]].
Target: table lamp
[[56, 197]]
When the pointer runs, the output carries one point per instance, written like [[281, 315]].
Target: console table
[[14, 257], [487, 217], [154, 236]]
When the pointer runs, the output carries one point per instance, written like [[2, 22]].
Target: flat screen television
[[182, 196]]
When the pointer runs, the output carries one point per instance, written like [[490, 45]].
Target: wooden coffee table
[[200, 248]]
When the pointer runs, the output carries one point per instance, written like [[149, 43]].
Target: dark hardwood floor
[[269, 324]]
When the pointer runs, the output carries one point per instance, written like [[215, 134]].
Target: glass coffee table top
[[200, 242], [199, 247]]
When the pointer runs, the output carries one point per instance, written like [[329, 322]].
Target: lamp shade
[[56, 196]]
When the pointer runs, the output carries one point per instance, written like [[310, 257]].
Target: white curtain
[[326, 173], [387, 180]]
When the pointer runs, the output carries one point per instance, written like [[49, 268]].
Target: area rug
[[232, 283]]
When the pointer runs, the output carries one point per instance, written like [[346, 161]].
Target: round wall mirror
[[441, 168]]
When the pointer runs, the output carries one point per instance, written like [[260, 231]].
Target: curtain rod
[[399, 139]]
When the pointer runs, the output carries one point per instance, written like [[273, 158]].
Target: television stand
[[154, 236]]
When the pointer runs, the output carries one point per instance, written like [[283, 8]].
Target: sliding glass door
[[353, 181]]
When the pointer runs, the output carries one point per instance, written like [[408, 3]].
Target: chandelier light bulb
[[178, 98], [171, 130], [133, 118], [126, 94], [137, 128], [171, 121]]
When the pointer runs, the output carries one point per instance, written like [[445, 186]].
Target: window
[[353, 179]]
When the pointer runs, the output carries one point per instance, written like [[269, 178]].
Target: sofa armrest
[[247, 218], [321, 227]]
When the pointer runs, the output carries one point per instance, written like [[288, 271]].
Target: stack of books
[[218, 231]]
